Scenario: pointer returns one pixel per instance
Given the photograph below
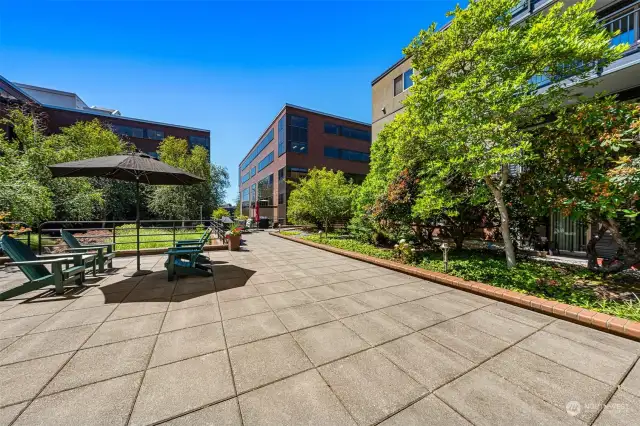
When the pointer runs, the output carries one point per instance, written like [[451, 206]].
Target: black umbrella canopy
[[130, 167]]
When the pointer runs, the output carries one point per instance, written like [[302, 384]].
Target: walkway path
[[286, 335]]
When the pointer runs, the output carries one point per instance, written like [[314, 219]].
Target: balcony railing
[[625, 22]]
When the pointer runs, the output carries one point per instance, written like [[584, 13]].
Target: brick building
[[297, 140], [61, 109]]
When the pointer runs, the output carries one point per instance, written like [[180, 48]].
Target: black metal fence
[[153, 233]]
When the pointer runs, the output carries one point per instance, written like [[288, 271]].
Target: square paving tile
[[191, 300], [70, 319], [413, 315], [467, 341], [410, 291], [251, 328], [287, 300], [22, 381], [20, 326], [183, 318], [323, 270], [44, 344], [361, 273], [244, 307], [605, 366], [525, 316], [301, 399], [486, 398], [304, 316], [6, 342], [140, 295], [497, 326], [425, 360], [351, 287], [631, 383], [274, 287], [594, 338], [258, 363], [103, 362], [8, 414], [306, 282], [332, 278], [622, 409], [445, 305], [136, 309], [266, 278], [345, 306], [174, 389], [328, 342], [237, 293], [376, 328], [428, 411], [124, 329], [190, 285], [370, 386], [104, 403], [225, 413], [96, 300], [187, 343], [473, 300], [550, 381], [323, 292], [378, 299], [292, 275], [31, 309]]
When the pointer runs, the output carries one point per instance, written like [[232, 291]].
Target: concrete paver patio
[[286, 334]]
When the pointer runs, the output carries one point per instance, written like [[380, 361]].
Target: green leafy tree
[[589, 169], [323, 197], [474, 95], [25, 158], [219, 213], [186, 202]]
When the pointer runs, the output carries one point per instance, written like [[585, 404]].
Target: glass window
[[350, 132], [156, 135], [282, 141], [268, 159], [407, 78], [199, 140], [331, 128], [397, 85], [281, 198], [253, 193], [246, 177], [265, 191], [253, 171], [281, 174], [137, 132], [297, 134], [346, 154], [295, 173], [331, 152], [245, 197], [257, 150]]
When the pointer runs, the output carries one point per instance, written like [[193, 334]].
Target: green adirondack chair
[[184, 261], [203, 239], [105, 253], [33, 268]]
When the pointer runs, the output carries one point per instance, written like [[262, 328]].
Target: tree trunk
[[509, 250], [629, 253], [592, 256]]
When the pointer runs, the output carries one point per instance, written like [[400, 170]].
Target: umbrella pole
[[138, 224]]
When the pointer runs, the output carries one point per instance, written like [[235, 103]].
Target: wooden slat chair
[[33, 268], [196, 244], [105, 252], [184, 261]]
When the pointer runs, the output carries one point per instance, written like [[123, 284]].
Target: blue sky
[[224, 66]]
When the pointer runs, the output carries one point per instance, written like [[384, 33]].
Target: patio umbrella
[[138, 168]]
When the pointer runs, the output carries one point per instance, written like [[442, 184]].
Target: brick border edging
[[604, 322]]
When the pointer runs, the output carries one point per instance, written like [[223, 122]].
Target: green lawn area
[[573, 285], [290, 233]]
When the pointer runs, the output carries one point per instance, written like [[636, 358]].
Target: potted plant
[[233, 238]]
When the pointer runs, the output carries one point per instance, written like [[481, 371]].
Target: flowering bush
[[404, 252], [233, 232]]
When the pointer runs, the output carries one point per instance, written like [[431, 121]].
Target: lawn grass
[[151, 237], [290, 233], [569, 284]]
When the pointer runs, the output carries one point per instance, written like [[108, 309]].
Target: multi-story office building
[[297, 140], [621, 77], [61, 109]]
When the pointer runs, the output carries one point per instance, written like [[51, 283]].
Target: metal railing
[[18, 230], [626, 21], [153, 233]]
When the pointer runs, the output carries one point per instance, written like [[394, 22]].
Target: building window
[[281, 198], [245, 198], [297, 134], [246, 177], [257, 150], [134, 132], [253, 194], [282, 141], [332, 129], [253, 171], [346, 154], [350, 132], [397, 85], [402, 82], [407, 78], [199, 140], [295, 173], [281, 174], [265, 191], [156, 135], [268, 159]]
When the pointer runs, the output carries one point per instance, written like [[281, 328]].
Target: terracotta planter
[[233, 242]]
